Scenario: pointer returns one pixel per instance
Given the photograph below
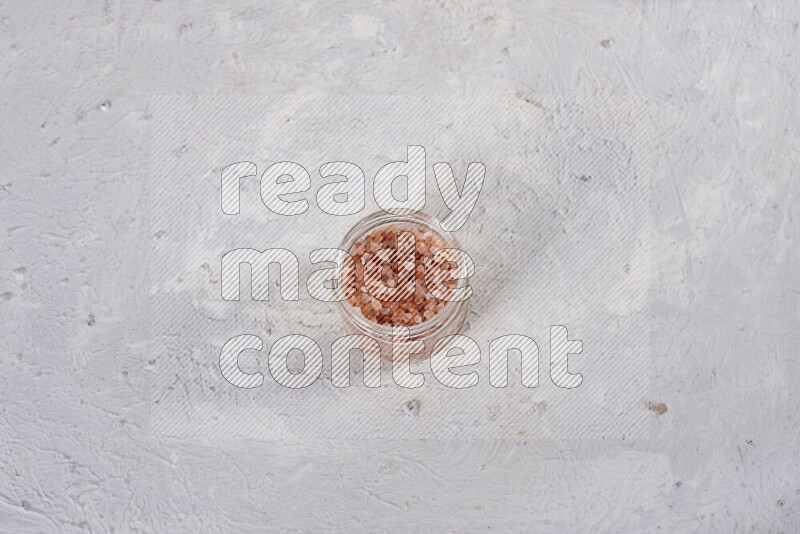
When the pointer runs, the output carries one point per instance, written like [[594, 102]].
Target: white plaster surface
[[78, 451], [560, 235]]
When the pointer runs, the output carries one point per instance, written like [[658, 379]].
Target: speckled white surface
[[560, 235], [77, 450]]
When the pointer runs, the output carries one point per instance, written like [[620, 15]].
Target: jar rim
[[384, 332]]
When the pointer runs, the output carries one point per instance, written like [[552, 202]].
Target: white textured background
[[77, 453], [560, 235]]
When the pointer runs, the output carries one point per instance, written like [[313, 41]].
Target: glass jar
[[448, 321]]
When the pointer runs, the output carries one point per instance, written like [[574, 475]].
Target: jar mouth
[[383, 332]]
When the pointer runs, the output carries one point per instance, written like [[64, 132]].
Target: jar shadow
[[505, 252]]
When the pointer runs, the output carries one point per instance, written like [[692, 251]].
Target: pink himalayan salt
[[418, 307]]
